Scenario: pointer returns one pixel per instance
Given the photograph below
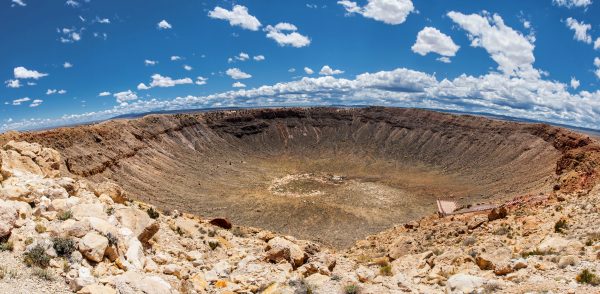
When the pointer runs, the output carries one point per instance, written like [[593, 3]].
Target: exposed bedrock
[[326, 174]]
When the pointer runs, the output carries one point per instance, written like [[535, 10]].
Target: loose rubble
[[86, 237]]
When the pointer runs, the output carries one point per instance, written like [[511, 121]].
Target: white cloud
[[71, 35], [285, 34], [493, 93], [67, 65], [328, 71], [175, 58], [18, 2], [164, 25], [240, 57], [574, 83], [55, 91], [262, 57], [308, 71], [187, 67], [23, 73], [580, 29], [72, 3], [432, 40], [236, 74], [20, 101], [150, 62], [104, 94], [125, 96], [36, 103], [164, 82], [572, 3], [102, 20], [597, 64], [292, 70], [443, 59], [238, 16], [392, 12], [201, 81], [512, 51], [597, 44], [238, 85], [13, 84]]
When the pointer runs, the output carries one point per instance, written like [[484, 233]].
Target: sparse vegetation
[[213, 244], [37, 256], [153, 214], [112, 239], [587, 277], [6, 273], [560, 226], [43, 274], [64, 215], [535, 252], [63, 246], [351, 289], [39, 228], [110, 210], [386, 270], [5, 245]]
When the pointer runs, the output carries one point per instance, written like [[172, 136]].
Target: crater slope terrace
[[331, 175]]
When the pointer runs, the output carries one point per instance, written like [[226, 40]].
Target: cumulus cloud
[[581, 30], [262, 57], [238, 16], [104, 94], [597, 44], [201, 81], [175, 58], [236, 74], [164, 82], [597, 64], [512, 51], [240, 57], [125, 96], [432, 40], [72, 3], [164, 25], [238, 85], [308, 71], [67, 65], [494, 93], [392, 12], [187, 67], [20, 101], [149, 62], [55, 91], [572, 3], [36, 103], [102, 20], [13, 84], [326, 70], [574, 83], [18, 3], [285, 34], [70, 35], [23, 73]]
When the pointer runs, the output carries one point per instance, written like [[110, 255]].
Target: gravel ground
[[18, 278]]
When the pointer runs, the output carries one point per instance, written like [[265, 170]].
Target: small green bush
[[386, 270], [213, 245], [560, 226], [112, 239], [37, 257], [6, 246], [43, 274], [351, 289], [39, 228], [64, 215], [587, 277], [153, 214], [63, 246]]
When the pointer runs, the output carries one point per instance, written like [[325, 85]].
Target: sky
[[76, 61]]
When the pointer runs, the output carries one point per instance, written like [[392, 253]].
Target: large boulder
[[134, 219], [8, 218], [463, 283], [114, 191], [93, 246], [132, 283], [32, 158], [279, 249]]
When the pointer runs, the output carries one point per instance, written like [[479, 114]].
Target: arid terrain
[[359, 184], [391, 163]]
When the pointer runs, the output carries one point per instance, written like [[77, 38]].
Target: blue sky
[[76, 61]]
